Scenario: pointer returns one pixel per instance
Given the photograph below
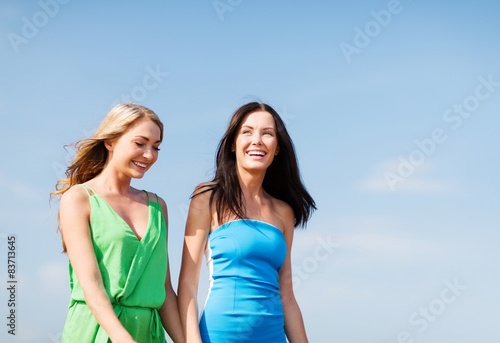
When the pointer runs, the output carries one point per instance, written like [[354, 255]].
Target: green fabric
[[133, 273]]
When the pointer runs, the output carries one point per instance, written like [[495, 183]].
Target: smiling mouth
[[256, 153], [140, 165]]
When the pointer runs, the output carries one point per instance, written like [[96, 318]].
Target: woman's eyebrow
[[266, 128], [147, 139]]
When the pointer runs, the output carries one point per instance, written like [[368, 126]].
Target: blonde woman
[[116, 236]]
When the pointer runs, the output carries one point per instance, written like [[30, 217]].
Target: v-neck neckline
[[124, 221]]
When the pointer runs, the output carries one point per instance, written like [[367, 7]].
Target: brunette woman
[[244, 220]]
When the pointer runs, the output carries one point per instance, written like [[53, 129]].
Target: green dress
[[133, 272]]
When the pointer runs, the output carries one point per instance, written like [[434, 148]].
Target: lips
[[256, 154], [140, 165]]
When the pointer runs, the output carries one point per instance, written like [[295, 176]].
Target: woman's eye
[[157, 148], [139, 144], [269, 133]]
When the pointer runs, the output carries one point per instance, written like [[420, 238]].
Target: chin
[[138, 175], [260, 168]]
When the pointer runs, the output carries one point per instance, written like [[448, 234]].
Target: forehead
[[144, 127], [259, 118]]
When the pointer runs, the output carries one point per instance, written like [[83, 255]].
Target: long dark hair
[[282, 179]]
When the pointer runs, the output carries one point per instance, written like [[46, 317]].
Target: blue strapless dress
[[243, 303]]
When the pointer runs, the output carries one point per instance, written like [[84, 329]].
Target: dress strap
[[87, 188], [157, 199]]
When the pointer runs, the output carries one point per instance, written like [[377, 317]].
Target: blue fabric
[[244, 305]]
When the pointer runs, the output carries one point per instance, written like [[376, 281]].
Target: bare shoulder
[[75, 196], [204, 188], [158, 199], [74, 210], [199, 217], [285, 212], [153, 197], [162, 202], [202, 193], [199, 208], [283, 208]]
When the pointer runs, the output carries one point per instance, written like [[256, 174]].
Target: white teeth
[[256, 153], [141, 164]]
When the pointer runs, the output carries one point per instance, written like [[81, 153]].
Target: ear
[[277, 151], [109, 145]]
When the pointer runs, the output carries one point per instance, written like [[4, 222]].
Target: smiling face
[[136, 150], [256, 141]]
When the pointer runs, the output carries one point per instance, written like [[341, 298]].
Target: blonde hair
[[91, 153]]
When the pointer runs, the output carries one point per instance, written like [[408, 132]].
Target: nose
[[257, 139], [149, 154]]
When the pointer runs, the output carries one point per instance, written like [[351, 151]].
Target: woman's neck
[[113, 182], [251, 184]]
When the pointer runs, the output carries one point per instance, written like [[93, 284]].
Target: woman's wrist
[[122, 337]]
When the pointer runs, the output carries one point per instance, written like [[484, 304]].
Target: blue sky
[[396, 140]]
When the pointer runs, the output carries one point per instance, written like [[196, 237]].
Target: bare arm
[[294, 324], [195, 239], [169, 312], [75, 217]]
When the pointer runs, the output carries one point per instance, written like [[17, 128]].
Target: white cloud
[[54, 277], [29, 332], [383, 235], [387, 178], [389, 246], [330, 291]]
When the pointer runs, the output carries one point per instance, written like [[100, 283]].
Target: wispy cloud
[[390, 246], [30, 332], [53, 277], [420, 183]]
